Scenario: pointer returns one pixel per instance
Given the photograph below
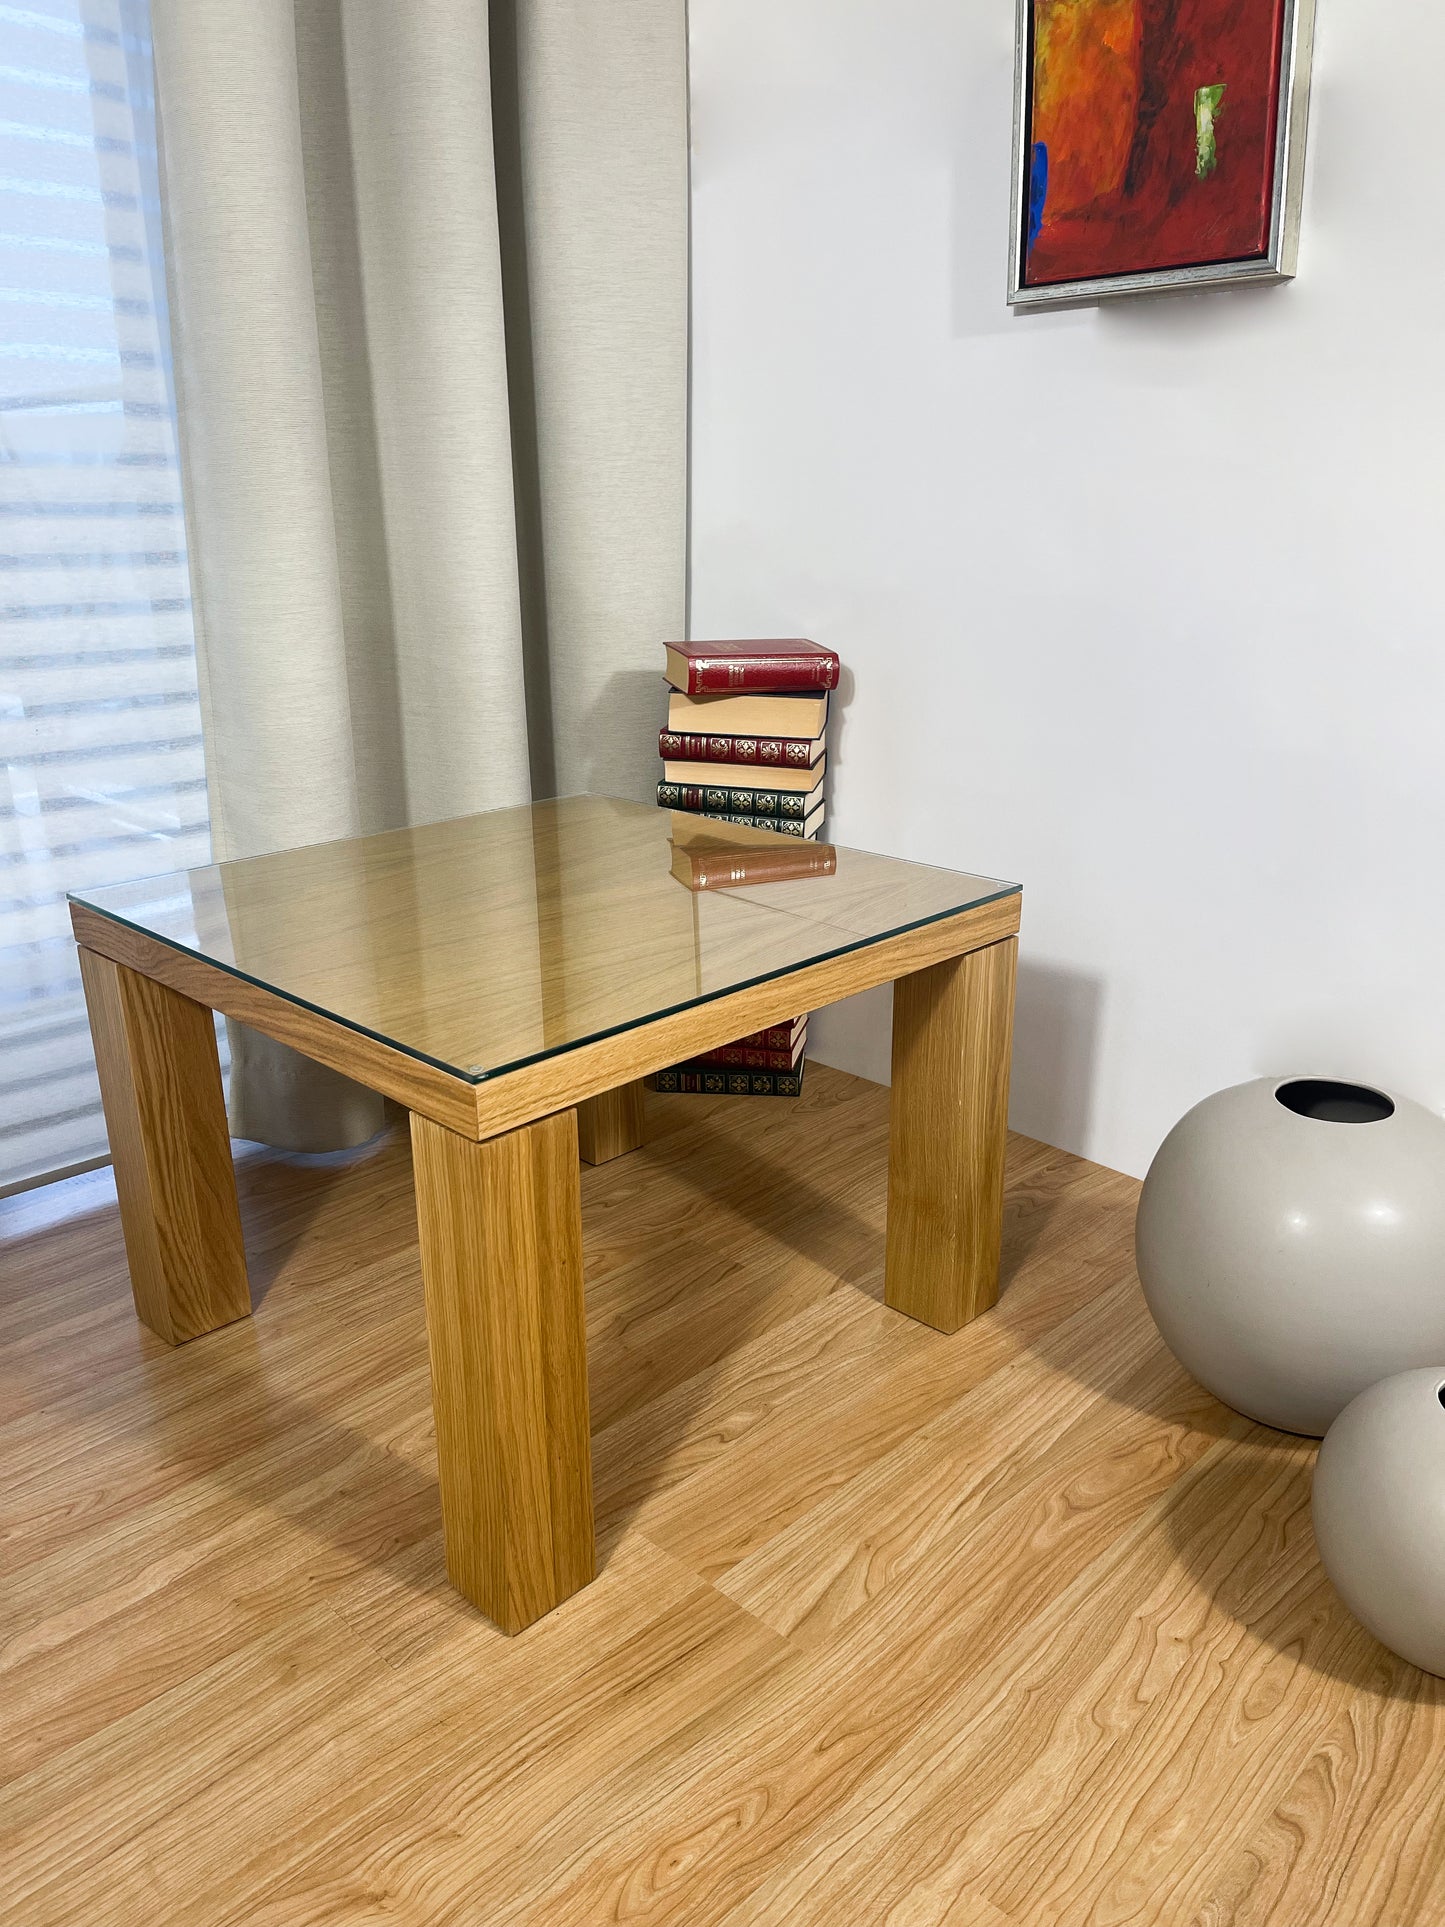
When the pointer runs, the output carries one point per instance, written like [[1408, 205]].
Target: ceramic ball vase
[[1379, 1513], [1291, 1245]]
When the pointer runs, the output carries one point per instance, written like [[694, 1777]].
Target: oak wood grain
[[501, 1252], [610, 1125], [566, 1079], [1006, 1628], [952, 1048], [435, 1093], [160, 1084], [487, 943]]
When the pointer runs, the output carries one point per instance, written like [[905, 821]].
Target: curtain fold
[[428, 270]]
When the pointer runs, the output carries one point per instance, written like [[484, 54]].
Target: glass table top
[[486, 943]]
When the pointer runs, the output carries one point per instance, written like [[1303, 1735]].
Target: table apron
[[485, 1110]]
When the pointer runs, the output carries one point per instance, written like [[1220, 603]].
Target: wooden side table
[[510, 978]]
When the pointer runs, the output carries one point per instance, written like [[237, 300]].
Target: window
[[101, 775]]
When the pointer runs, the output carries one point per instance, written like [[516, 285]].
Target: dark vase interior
[[1334, 1103]]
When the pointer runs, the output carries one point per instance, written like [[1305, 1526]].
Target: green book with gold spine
[[713, 1080]]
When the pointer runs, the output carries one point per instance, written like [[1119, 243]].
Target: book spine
[[783, 825], [766, 752], [704, 1080], [712, 799], [727, 873], [741, 1057], [762, 675], [779, 1037]]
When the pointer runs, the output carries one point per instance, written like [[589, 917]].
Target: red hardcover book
[[766, 752], [744, 1057], [703, 668], [778, 1037]]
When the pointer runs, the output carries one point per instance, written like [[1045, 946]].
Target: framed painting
[[1158, 144]]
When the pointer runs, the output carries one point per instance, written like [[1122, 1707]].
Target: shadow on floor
[[1240, 1526], [791, 1196], [785, 1205], [294, 1191]]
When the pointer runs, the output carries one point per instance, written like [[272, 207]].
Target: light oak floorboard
[[1012, 1628]]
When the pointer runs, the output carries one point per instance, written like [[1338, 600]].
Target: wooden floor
[[892, 1630]]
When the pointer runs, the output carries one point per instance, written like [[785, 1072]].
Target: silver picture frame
[[1279, 263]]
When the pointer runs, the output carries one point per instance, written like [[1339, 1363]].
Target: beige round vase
[[1291, 1245], [1379, 1513]]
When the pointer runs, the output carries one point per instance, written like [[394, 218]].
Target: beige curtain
[[428, 270]]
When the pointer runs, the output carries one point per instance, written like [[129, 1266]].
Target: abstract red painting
[[1150, 134]]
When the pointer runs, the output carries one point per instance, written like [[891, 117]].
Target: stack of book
[[745, 742], [746, 733]]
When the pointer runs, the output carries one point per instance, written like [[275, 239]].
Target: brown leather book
[[708, 859]]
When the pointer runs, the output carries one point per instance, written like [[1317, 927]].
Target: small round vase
[[1379, 1513], [1291, 1245]]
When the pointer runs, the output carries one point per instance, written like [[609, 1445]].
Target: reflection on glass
[[488, 942]]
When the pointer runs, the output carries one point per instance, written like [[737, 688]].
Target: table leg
[[952, 1037], [165, 1112], [610, 1124], [501, 1252]]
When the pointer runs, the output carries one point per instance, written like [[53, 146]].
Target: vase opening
[[1441, 1395], [1330, 1102]]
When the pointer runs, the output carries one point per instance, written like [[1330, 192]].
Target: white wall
[[1143, 605]]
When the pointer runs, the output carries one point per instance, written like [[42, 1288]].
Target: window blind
[[101, 773]]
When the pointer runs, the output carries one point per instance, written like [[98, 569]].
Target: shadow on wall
[[617, 746], [1056, 1044], [856, 1035], [838, 706]]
